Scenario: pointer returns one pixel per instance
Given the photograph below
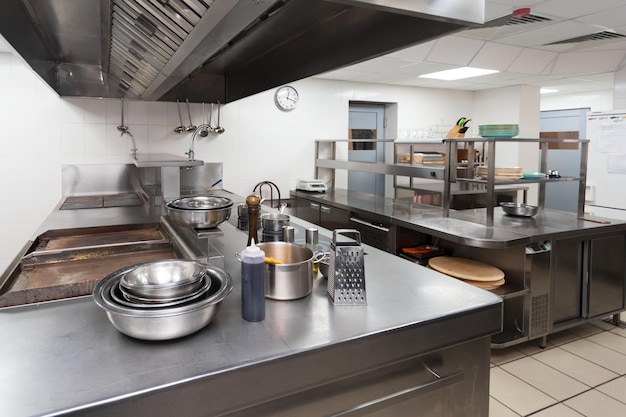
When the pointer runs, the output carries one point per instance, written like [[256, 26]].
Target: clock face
[[286, 98]]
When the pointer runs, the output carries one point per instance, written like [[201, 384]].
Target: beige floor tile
[[615, 389], [585, 330], [546, 379], [603, 324], [596, 404], [576, 367], [619, 331], [558, 410], [611, 341], [598, 354], [500, 356], [516, 394], [562, 337], [532, 347], [497, 409]]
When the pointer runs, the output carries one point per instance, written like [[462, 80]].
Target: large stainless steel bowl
[[202, 212], [519, 209], [165, 279], [202, 203], [168, 322]]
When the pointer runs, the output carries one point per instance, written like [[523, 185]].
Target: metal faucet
[[190, 152], [133, 150]]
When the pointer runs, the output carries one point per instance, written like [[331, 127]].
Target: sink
[[152, 160]]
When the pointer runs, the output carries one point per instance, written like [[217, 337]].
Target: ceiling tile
[[570, 9], [454, 50], [546, 34], [607, 19], [414, 53], [495, 56], [587, 62], [532, 61]]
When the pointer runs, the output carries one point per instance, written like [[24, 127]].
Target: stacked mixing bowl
[[164, 299]]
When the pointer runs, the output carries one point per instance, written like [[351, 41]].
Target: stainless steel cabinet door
[[606, 275]]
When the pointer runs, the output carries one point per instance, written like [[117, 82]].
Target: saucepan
[[274, 222]]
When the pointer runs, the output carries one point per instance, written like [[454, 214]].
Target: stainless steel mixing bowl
[[201, 203], [519, 209], [203, 212], [164, 323], [165, 279]]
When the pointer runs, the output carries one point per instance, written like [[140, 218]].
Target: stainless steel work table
[[466, 227], [65, 357]]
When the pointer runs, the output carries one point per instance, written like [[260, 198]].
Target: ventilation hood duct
[[209, 50]]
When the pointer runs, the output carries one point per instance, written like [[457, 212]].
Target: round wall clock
[[286, 98]]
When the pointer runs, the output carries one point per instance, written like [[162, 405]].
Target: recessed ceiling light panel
[[458, 73]]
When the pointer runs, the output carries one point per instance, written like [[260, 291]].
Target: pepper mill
[[253, 216]]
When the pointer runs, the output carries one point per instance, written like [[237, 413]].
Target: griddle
[[68, 263]]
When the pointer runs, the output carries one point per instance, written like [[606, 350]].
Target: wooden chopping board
[[466, 269]]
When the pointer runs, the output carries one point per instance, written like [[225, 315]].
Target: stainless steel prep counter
[[307, 358], [464, 226], [560, 270]]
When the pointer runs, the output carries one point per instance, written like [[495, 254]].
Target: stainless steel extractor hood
[[209, 50]]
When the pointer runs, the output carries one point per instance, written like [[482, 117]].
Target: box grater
[[346, 273]]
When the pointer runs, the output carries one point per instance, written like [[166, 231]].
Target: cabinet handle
[[368, 224], [325, 209], [314, 206], [403, 395]]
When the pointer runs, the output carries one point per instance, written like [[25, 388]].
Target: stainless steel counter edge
[[69, 354], [464, 226]]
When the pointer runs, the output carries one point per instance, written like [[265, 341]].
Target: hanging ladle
[[191, 126], [122, 127], [205, 130], [180, 128], [219, 129]]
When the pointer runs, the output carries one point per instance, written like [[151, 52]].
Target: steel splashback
[[209, 50]]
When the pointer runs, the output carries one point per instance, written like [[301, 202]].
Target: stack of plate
[[498, 131], [472, 272], [501, 173]]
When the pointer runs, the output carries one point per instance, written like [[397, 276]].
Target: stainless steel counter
[[466, 227], [65, 357]]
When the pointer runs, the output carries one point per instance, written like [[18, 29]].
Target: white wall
[[595, 100]]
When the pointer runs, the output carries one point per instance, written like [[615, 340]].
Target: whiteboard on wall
[[606, 164]]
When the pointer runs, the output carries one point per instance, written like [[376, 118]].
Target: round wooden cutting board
[[466, 269]]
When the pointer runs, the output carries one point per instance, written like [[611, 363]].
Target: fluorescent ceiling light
[[458, 73], [547, 90]]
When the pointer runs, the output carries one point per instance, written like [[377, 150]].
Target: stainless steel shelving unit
[[489, 153]]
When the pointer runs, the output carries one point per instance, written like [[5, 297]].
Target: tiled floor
[[581, 372]]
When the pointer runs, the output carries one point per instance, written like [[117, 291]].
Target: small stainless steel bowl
[[121, 296], [165, 279], [519, 209], [164, 323], [323, 264]]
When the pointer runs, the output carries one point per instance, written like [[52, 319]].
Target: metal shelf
[[489, 152]]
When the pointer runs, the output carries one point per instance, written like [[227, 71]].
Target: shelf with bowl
[[490, 180]]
